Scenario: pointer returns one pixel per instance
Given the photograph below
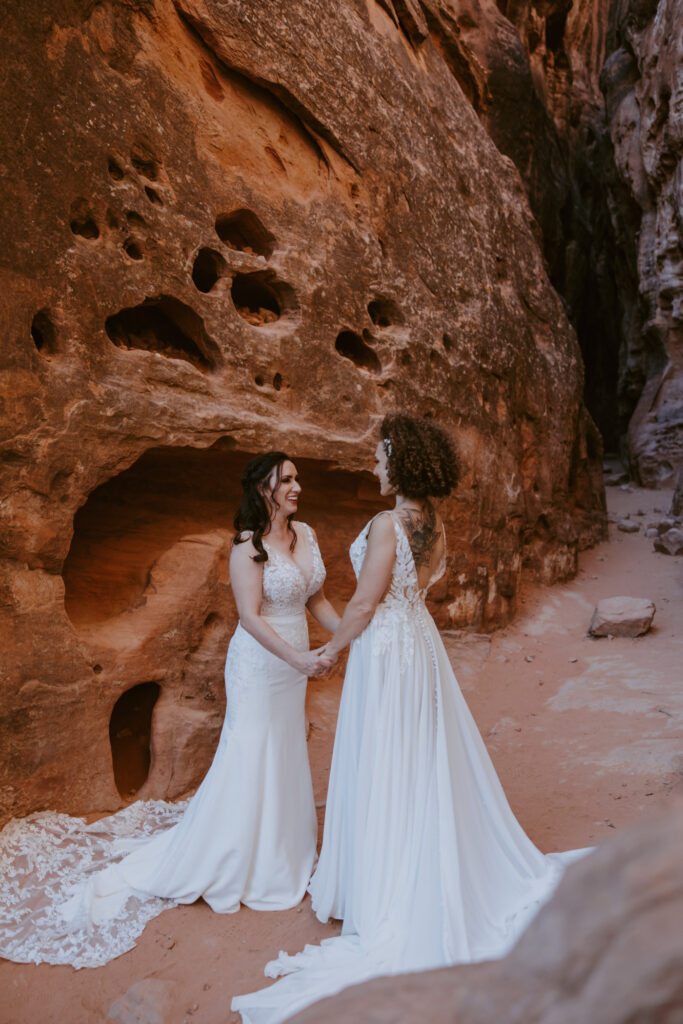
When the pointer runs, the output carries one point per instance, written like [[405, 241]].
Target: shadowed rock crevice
[[384, 312], [82, 220], [130, 730], [43, 333], [260, 298], [353, 347], [167, 326], [242, 230], [207, 269]]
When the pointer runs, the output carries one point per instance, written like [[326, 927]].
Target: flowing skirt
[[81, 894], [422, 858]]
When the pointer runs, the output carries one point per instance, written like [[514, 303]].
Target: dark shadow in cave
[[242, 230], [130, 729], [167, 326], [129, 521], [352, 346]]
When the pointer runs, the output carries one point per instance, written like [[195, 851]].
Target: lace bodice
[[402, 608], [286, 588]]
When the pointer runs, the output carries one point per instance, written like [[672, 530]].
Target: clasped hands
[[320, 661]]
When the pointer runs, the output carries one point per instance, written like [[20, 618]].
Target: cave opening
[[352, 346], [242, 230], [255, 298], [130, 732], [132, 249], [82, 220], [43, 333], [384, 312], [207, 269], [128, 522], [166, 326]]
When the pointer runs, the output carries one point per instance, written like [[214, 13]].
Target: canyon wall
[[231, 227], [586, 98]]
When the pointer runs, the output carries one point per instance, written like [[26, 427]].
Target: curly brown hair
[[421, 457]]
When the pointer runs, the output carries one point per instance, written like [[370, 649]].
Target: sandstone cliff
[[231, 227]]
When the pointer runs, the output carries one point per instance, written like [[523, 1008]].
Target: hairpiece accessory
[[387, 445]]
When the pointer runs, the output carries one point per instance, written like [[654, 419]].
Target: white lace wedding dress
[[422, 857], [79, 894]]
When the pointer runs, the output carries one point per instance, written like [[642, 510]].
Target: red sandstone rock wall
[[230, 227], [585, 98]]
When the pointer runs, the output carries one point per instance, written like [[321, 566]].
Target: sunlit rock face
[[233, 227]]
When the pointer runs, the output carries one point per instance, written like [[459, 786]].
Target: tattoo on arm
[[422, 533]]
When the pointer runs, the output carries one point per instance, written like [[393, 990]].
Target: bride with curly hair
[[422, 858]]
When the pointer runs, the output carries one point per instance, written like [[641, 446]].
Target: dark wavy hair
[[421, 457], [254, 513]]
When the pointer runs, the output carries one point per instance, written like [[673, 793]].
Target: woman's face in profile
[[381, 471]]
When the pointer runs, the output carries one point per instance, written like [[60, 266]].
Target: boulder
[[622, 616], [670, 542], [626, 526]]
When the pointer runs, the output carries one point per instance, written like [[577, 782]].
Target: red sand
[[582, 746]]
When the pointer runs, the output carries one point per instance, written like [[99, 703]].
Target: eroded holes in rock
[[259, 381], [43, 333], [130, 521], [384, 312], [115, 169], [135, 219], [167, 326], [112, 220], [255, 298], [352, 346], [242, 230], [448, 343], [130, 731], [153, 196], [82, 220], [208, 267], [97, 669], [132, 249], [144, 162], [277, 381]]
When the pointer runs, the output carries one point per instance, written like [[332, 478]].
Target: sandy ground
[[587, 736]]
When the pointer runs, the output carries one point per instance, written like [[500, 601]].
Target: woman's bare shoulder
[[243, 549]]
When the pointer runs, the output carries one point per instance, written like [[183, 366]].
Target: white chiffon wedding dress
[[79, 894], [422, 858]]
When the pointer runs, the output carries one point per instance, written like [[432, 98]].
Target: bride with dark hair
[[248, 835]]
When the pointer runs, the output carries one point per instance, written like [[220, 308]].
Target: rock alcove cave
[[146, 589]]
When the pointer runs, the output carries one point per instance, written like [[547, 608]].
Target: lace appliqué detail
[[285, 587], [394, 617], [46, 857]]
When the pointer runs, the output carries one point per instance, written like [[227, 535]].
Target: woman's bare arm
[[374, 578]]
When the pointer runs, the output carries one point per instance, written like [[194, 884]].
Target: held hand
[[310, 664], [327, 657]]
